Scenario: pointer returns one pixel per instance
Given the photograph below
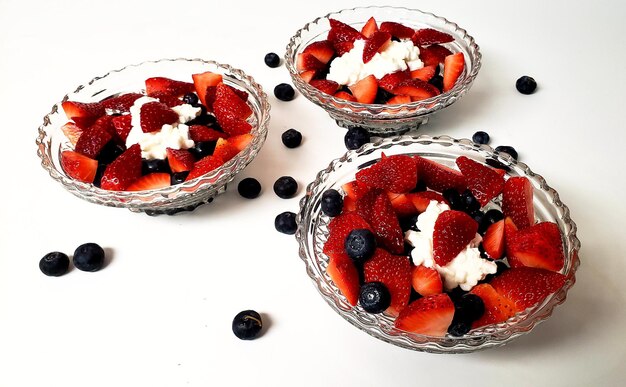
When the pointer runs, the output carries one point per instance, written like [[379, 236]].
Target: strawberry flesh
[[376, 43], [123, 171], [180, 160], [78, 166], [369, 28], [167, 86], [517, 201], [344, 274], [154, 115], [539, 245], [341, 33], [339, 228], [452, 69], [83, 114], [484, 182], [525, 286], [453, 231], [497, 308], [203, 166], [365, 90], [397, 30], [439, 177], [151, 181], [430, 315], [91, 142], [121, 103], [394, 271], [325, 86], [493, 241], [396, 174], [427, 36], [426, 281], [322, 50], [377, 210]]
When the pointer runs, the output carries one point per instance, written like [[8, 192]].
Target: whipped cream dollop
[[154, 144], [349, 68], [465, 270]]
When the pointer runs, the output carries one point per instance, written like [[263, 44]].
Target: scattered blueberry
[[456, 293], [247, 325], [284, 92], [437, 81], [249, 188], [526, 85], [480, 137], [291, 138], [285, 187], [54, 264], [272, 60], [286, 223], [374, 297], [202, 149], [190, 98], [356, 137], [178, 177], [332, 202], [89, 257], [154, 165], [507, 149], [360, 245]]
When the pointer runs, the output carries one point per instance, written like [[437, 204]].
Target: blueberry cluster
[[87, 257]]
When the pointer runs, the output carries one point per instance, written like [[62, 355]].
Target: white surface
[[159, 314]]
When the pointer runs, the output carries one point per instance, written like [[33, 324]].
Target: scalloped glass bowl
[[185, 196], [312, 234], [384, 120]]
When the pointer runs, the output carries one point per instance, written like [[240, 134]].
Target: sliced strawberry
[[434, 55], [509, 228], [203, 166], [339, 228], [180, 160], [484, 182], [396, 174], [241, 141], [421, 200], [394, 271], [391, 81], [425, 73], [539, 245], [453, 231], [72, 132], [452, 69], [439, 177], [78, 166], [397, 30], [416, 89], [342, 33], [201, 133], [497, 308], [168, 86], [122, 125], [430, 315], [369, 28], [426, 281], [209, 98], [398, 100], [121, 103], [154, 115], [322, 50], [354, 191], [83, 114], [427, 36], [345, 95], [167, 99], [375, 207], [325, 86], [202, 81], [151, 181], [344, 274], [123, 171], [307, 76], [402, 205], [306, 61], [225, 150], [91, 142], [227, 102], [374, 44], [106, 123], [343, 47], [517, 201], [233, 126], [494, 241], [242, 94], [526, 287], [365, 90]]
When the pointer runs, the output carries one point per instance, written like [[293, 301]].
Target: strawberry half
[[430, 315], [398, 100], [224, 150], [377, 210], [150, 181], [241, 141], [83, 114], [325, 85], [453, 231], [227, 102], [396, 174], [123, 171], [344, 274], [390, 81], [497, 308], [339, 228], [426, 281], [452, 69], [306, 62], [494, 241], [180, 160], [365, 90], [425, 73], [232, 125], [342, 33], [416, 89], [78, 166], [484, 182], [122, 125], [421, 200], [204, 80], [307, 76], [394, 271], [121, 103], [369, 28], [72, 132], [201, 133], [397, 30], [526, 286], [322, 50], [203, 166], [402, 205], [427, 36], [517, 201], [154, 115], [166, 86], [539, 245], [354, 191], [168, 99], [374, 44], [345, 95], [434, 55], [91, 142], [439, 177]]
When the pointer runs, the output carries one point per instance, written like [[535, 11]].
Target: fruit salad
[[442, 250], [171, 132], [386, 63]]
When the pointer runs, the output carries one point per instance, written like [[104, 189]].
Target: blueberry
[[507, 149], [459, 327], [285, 187], [110, 152], [469, 202], [291, 138], [332, 202], [178, 177], [382, 96], [54, 264], [202, 149], [408, 223], [360, 245], [374, 297], [286, 223], [526, 85], [154, 165], [490, 217], [437, 81], [89, 257], [249, 188], [203, 118], [456, 293], [247, 325], [190, 98], [477, 215], [453, 197], [272, 60], [420, 186], [469, 307], [480, 138], [356, 137], [284, 92]]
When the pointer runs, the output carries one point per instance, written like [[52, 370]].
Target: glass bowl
[[384, 120], [312, 233], [185, 196]]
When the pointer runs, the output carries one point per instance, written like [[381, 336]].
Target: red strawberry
[[168, 86], [416, 89], [241, 141], [121, 103], [494, 241], [430, 315], [203, 166], [484, 182], [376, 43], [83, 114], [526, 286], [342, 33], [434, 55], [426, 36], [306, 61], [123, 171], [307, 76], [325, 86], [452, 69], [242, 94], [426, 281], [345, 95], [396, 174], [369, 28], [421, 200], [354, 191], [439, 177], [91, 142], [227, 102], [425, 73], [180, 160], [78, 166], [233, 126], [402, 205], [150, 181], [365, 90], [397, 30], [322, 50], [377, 210], [224, 150], [344, 274], [201, 133], [509, 228], [202, 81], [343, 47], [339, 228], [453, 231], [398, 100], [394, 271], [517, 201], [391, 81], [539, 245], [72, 132], [167, 99], [209, 97], [497, 308], [122, 125], [106, 123], [154, 115]]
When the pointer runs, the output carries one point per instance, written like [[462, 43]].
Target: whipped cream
[[349, 68], [465, 270]]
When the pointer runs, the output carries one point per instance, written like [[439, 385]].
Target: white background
[[159, 314]]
